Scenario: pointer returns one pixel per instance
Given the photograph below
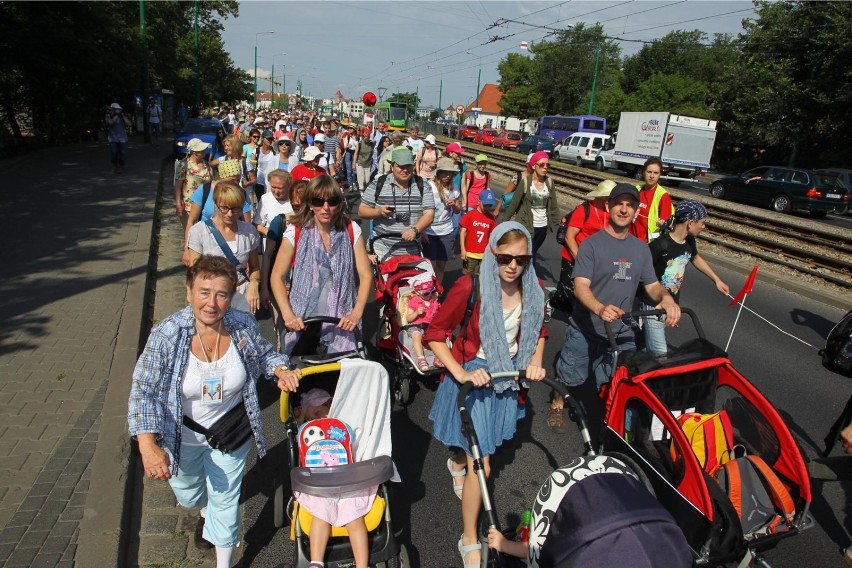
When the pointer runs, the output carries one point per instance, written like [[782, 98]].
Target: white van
[[581, 148]]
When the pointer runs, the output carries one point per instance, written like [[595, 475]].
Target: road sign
[[460, 109]]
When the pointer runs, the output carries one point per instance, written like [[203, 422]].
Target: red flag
[[749, 284]]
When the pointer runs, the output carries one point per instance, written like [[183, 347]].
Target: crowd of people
[[266, 226]]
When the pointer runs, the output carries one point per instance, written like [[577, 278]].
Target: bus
[[561, 127], [391, 113]]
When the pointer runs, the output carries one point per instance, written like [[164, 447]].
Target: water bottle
[[522, 533]]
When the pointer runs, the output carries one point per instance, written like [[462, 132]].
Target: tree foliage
[[780, 90], [68, 60]]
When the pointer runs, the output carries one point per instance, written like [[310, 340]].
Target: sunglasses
[[332, 201], [506, 259], [224, 209], [254, 137]]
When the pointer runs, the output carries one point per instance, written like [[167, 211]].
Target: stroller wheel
[[403, 391]]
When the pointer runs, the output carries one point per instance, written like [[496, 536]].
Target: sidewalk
[[76, 246]]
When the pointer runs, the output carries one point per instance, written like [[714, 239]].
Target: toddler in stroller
[[416, 309]]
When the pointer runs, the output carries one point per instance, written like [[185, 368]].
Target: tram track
[[796, 245]]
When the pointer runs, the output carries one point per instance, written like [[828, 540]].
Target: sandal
[[555, 420], [423, 364], [465, 549], [457, 488]]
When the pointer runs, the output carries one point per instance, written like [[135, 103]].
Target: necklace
[[204, 348]]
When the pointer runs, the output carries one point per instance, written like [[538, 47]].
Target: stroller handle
[[359, 342], [375, 238], [642, 313]]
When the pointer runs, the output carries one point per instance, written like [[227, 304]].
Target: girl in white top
[[438, 237]]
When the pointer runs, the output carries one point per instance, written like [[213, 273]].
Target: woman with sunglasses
[[328, 250], [505, 332], [240, 238], [534, 202]]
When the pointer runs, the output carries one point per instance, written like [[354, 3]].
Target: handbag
[[229, 433]]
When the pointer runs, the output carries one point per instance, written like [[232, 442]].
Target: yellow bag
[[711, 437]]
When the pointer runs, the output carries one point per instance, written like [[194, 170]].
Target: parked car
[[784, 189], [581, 148], [203, 128], [469, 132], [486, 136], [535, 143], [508, 141], [846, 178]]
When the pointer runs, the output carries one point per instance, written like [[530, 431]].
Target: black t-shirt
[[670, 259]]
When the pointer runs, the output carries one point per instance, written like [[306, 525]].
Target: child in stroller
[[416, 309], [347, 510]]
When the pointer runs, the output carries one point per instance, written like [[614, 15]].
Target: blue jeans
[[654, 330], [116, 152], [208, 477], [583, 357], [350, 170]]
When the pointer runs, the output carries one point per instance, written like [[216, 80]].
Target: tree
[[91, 54], [792, 84], [672, 93], [521, 96], [565, 68]]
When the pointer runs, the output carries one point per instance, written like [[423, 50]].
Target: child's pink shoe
[[423, 364]]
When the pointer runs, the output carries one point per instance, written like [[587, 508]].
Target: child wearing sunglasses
[[416, 309], [504, 332]]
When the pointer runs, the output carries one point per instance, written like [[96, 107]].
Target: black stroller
[[597, 511]]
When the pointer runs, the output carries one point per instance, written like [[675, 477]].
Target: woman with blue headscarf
[[505, 332]]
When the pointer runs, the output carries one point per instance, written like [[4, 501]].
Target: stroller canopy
[[595, 512]]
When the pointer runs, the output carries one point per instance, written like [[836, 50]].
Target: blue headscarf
[[491, 327]]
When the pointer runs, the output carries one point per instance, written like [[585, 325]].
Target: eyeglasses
[[506, 259], [223, 209], [332, 201]]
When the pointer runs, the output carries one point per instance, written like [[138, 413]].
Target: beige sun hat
[[602, 190]]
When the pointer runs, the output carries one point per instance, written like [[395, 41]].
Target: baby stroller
[[361, 399], [643, 402], [596, 511], [393, 342]]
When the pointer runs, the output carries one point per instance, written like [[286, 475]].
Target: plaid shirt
[[155, 394]]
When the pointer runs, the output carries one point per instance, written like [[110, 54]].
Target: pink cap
[[537, 157], [314, 397], [455, 147]]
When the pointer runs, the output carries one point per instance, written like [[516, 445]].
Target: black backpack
[[837, 353], [418, 181]]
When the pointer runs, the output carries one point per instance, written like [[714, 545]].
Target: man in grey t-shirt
[[405, 205], [610, 265]]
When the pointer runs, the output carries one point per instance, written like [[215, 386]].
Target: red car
[[469, 132], [486, 136], [509, 141]]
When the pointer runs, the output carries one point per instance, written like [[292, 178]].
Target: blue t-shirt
[[209, 208]]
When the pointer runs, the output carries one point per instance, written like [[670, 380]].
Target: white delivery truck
[[683, 143]]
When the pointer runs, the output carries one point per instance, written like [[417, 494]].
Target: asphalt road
[[427, 513]]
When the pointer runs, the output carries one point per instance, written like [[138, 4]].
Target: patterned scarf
[[491, 325], [305, 284]]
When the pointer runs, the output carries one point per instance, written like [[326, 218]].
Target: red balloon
[[369, 99]]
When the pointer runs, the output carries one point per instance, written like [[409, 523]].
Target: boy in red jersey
[[476, 226]]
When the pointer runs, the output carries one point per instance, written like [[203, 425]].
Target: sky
[[436, 49]]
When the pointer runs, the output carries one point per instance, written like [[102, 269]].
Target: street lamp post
[[255, 64], [273, 76], [478, 79]]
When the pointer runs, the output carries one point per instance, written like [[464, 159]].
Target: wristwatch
[[415, 229]]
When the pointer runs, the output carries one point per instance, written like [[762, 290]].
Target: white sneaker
[[548, 311]]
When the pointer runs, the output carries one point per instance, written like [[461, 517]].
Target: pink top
[[417, 301]]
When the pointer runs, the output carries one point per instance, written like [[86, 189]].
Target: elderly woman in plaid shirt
[[200, 364]]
